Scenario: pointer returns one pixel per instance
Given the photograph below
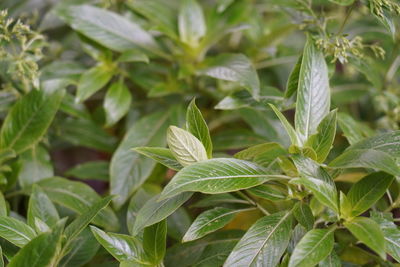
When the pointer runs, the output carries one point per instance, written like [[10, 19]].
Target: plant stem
[[346, 18]]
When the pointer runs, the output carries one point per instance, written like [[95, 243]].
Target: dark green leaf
[[96, 170], [154, 241], [91, 81], [304, 215], [293, 80], [288, 127]]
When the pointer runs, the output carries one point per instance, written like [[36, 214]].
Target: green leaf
[[313, 248], [368, 232], [218, 199], [268, 191], [125, 174], [161, 155], [96, 170], [318, 181], [391, 233], [92, 81], [367, 191], [343, 2], [154, 241], [303, 214], [77, 226], [15, 231], [366, 158], [264, 243], [34, 165], [288, 127], [332, 260], [112, 30], [258, 150], [41, 207], [78, 197], [156, 210], [197, 126], [322, 141], [133, 55], [41, 251], [117, 102], [28, 120], [121, 247], [186, 148], [216, 176], [353, 130], [191, 23], [236, 68], [345, 206], [3, 205], [293, 80], [1, 258], [313, 95], [209, 221], [386, 142]]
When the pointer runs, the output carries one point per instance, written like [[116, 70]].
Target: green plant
[[293, 160]]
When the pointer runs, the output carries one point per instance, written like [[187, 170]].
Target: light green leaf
[[41, 251], [264, 243], [343, 2], [304, 215], [91, 81], [78, 197], [117, 102], [186, 148], [236, 68], [156, 210], [197, 126], [161, 155], [133, 55], [367, 191], [121, 247], [345, 206], [34, 165], [313, 95], [191, 23], [386, 142], [154, 241], [368, 232], [125, 174], [313, 248], [258, 150], [366, 158], [107, 28], [209, 221], [96, 170], [293, 80], [216, 176], [288, 127], [15, 231], [28, 120], [318, 181], [322, 141], [41, 207]]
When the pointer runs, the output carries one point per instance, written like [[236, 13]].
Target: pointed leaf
[[191, 22], [161, 155], [92, 81], [293, 80], [16, 231], [41, 207], [288, 127], [117, 102], [154, 241], [304, 215]]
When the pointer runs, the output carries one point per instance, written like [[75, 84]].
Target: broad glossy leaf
[[91, 81], [154, 241], [186, 148], [34, 165], [268, 191], [191, 23], [366, 158], [117, 102], [367, 191], [107, 28], [129, 169], [236, 68], [78, 197], [288, 127], [209, 221], [368, 232], [353, 130], [318, 181], [28, 120], [293, 80], [96, 170], [217, 176], [16, 231], [313, 96], [41, 207], [391, 233], [304, 215], [156, 210], [160, 154], [387, 142], [264, 243], [121, 247], [41, 251], [322, 141], [196, 125], [313, 248]]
